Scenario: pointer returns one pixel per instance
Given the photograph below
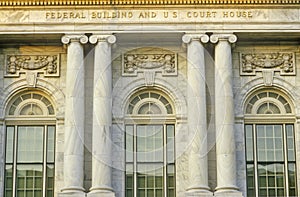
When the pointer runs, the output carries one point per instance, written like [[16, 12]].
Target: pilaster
[[196, 101], [224, 110], [74, 120], [102, 117]]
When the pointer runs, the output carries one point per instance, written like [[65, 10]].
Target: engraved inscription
[[46, 64], [155, 14], [164, 63], [250, 63]]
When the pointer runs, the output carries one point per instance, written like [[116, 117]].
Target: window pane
[[170, 144], [270, 143], [290, 142], [50, 143], [250, 179], [129, 180], [270, 179], [50, 181], [8, 180], [9, 144], [249, 142], [149, 143], [129, 143], [29, 180], [30, 144]]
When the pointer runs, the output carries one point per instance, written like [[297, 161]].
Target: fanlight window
[[31, 104], [149, 103], [268, 102]]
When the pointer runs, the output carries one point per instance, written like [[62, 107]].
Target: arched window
[[30, 146], [149, 144], [270, 145]]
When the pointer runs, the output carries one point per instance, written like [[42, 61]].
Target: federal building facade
[[150, 98]]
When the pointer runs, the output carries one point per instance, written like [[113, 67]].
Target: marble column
[[197, 122], [224, 116], [74, 117], [102, 117]]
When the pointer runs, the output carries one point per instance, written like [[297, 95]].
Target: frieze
[[134, 63], [283, 62], [45, 64]]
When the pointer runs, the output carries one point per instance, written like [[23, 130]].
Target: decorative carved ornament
[[283, 62], [143, 2], [134, 63], [45, 64]]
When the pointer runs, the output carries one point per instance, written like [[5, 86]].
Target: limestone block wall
[[244, 85], [53, 86], [123, 87]]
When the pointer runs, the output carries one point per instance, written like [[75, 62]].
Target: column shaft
[[102, 117], [224, 110], [197, 122], [74, 120]]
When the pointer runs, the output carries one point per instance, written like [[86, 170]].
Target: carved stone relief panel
[[165, 63], [283, 62], [48, 65]]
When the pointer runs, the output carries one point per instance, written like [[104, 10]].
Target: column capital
[[188, 38], [111, 39], [231, 38], [66, 39]]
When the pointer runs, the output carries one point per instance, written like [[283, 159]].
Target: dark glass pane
[[280, 192], [272, 192], [250, 193], [159, 193], [9, 154], [154, 95], [8, 180], [169, 109], [129, 193], [141, 193], [50, 110], [50, 181], [29, 180]]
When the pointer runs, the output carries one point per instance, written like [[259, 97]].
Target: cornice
[[25, 3]]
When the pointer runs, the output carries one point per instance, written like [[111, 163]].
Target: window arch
[[270, 144], [149, 103], [30, 103], [150, 145], [29, 145], [268, 102]]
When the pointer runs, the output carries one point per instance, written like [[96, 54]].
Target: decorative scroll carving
[[284, 62], [164, 63], [46, 64]]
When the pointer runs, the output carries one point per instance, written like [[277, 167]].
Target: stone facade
[[90, 57]]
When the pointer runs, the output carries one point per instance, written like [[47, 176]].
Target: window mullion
[[134, 161], [45, 135], [165, 189], [286, 175], [255, 160], [15, 160]]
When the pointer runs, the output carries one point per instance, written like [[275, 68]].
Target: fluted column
[[74, 117], [102, 117], [197, 125], [224, 110]]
